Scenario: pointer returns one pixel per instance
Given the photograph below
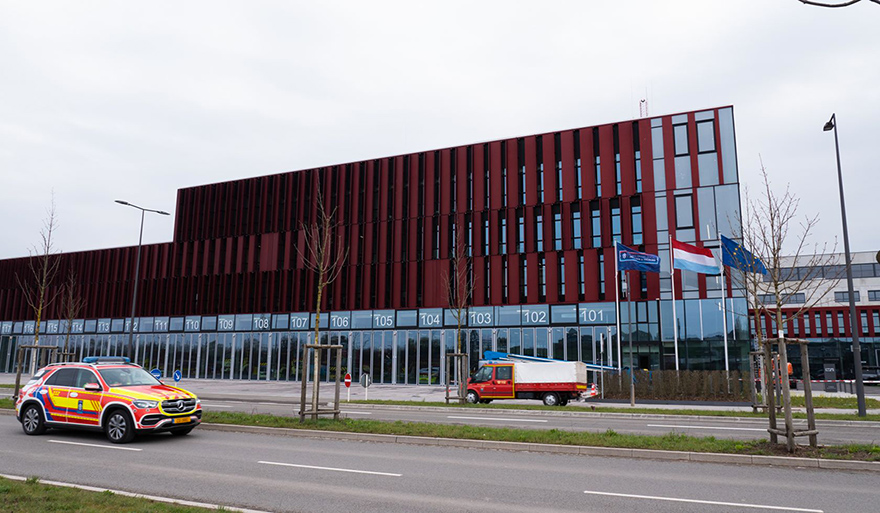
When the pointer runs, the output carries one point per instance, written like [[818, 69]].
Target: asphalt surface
[[830, 432], [276, 473]]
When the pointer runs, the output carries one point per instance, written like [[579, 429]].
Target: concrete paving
[[289, 392]]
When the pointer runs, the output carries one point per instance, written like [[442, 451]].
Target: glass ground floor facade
[[402, 347]]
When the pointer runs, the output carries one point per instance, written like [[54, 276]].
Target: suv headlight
[[145, 405]]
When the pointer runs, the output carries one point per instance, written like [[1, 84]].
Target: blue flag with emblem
[[736, 256], [629, 259]]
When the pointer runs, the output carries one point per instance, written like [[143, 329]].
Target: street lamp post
[[137, 270], [853, 319]]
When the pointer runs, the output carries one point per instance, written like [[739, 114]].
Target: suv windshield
[[127, 377]]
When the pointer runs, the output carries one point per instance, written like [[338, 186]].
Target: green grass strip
[[599, 408], [609, 438], [31, 496]]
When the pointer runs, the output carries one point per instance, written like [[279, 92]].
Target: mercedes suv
[[106, 394]]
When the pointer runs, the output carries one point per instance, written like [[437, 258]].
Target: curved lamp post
[[137, 270], [853, 319]]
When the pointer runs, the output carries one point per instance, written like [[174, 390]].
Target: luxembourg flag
[[692, 258]]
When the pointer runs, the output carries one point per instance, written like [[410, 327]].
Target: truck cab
[[491, 381]]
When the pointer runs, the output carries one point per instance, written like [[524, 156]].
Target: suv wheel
[[119, 427], [32, 421]]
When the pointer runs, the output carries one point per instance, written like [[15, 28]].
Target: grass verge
[[31, 496], [637, 410], [610, 438]]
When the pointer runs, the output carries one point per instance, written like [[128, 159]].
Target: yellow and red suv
[[105, 393]]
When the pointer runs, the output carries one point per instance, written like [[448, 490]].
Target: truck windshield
[[484, 374]]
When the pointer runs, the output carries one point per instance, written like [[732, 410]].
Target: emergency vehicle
[[106, 394], [509, 376]]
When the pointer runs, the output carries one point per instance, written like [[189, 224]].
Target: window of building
[[793, 299], [636, 213], [617, 173], [542, 279], [841, 329], [523, 279], [539, 157], [843, 297], [521, 232], [576, 226], [557, 149], [684, 211], [503, 235], [486, 280], [561, 273], [874, 295], [504, 278], [601, 275], [504, 173], [577, 163], [521, 169], [539, 230], [706, 136], [680, 137], [581, 285], [638, 168], [485, 235], [557, 228], [486, 175], [864, 317], [876, 323], [598, 167], [596, 224], [615, 219], [807, 331]]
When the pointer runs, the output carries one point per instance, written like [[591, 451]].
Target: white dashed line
[[330, 468], [494, 418], [94, 445], [706, 427], [714, 503]]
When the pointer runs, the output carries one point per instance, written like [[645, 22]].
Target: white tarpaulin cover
[[550, 372]]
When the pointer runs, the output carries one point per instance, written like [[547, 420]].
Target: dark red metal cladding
[[239, 246]]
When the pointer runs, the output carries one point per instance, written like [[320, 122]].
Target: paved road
[[830, 432], [277, 473]]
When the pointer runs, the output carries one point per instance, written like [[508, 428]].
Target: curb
[[652, 454]]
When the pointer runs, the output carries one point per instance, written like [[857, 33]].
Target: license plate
[[181, 420]]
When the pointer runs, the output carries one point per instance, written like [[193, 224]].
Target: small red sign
[[347, 380]]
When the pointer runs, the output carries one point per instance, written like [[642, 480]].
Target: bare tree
[[324, 253], [458, 286], [775, 234], [844, 3], [72, 304], [36, 286]]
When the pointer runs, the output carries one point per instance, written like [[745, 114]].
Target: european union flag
[[736, 256], [631, 260]]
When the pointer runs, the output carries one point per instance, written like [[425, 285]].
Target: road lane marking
[[357, 412], [714, 503], [331, 468], [494, 418], [212, 405], [157, 498], [706, 427], [94, 445]]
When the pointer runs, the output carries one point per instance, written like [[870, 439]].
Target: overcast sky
[[122, 100]]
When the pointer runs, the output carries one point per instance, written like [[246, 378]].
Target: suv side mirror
[[93, 387]]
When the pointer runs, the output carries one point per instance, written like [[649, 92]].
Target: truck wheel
[[551, 399], [472, 397]]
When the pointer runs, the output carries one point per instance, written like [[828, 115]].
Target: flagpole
[[724, 307], [674, 317], [632, 376], [617, 302]]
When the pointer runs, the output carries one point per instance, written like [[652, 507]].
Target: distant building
[[827, 325], [229, 297]]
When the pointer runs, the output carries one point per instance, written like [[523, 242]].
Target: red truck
[[552, 381]]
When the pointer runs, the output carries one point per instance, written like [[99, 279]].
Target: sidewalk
[[289, 392]]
